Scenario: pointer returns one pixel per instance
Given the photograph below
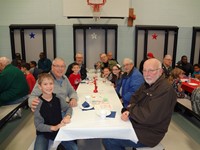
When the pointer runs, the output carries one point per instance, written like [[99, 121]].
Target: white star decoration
[[94, 36]]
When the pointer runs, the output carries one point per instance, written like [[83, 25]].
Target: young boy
[[196, 73], [25, 67], [48, 115], [75, 77]]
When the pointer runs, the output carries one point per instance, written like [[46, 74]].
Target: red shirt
[[31, 81], [75, 79]]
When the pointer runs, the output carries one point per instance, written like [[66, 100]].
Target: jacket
[[151, 108], [129, 84], [13, 84]]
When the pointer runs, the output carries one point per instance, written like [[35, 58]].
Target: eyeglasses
[[57, 66], [125, 65], [169, 59], [150, 71]]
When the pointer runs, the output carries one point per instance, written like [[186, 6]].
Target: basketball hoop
[[96, 7]]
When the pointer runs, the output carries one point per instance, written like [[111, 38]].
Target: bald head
[[152, 70]]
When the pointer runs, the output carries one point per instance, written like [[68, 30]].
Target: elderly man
[[149, 111], [105, 62], [78, 60], [131, 80], [166, 65], [13, 85], [62, 86]]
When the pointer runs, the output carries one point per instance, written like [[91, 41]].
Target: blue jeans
[[42, 143], [119, 144]]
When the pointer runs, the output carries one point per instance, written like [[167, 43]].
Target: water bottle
[[189, 78]]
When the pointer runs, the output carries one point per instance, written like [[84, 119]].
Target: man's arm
[[71, 94], [153, 109], [135, 82], [36, 92], [39, 121]]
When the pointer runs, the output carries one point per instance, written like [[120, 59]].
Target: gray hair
[[79, 53], [4, 61], [58, 59], [128, 60], [168, 56]]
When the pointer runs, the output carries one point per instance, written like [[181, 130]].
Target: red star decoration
[[154, 36]]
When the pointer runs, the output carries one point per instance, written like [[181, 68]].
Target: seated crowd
[[55, 83]]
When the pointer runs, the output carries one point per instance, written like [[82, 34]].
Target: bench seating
[[185, 102], [184, 106], [7, 112]]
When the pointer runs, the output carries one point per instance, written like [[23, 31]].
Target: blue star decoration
[[32, 35]]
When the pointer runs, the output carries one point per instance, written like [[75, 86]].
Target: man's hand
[[73, 102], [125, 116], [34, 104]]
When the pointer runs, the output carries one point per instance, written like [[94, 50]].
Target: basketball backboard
[[81, 9]]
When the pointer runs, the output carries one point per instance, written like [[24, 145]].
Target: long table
[[88, 124]]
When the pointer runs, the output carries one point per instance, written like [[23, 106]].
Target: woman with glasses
[[117, 74]]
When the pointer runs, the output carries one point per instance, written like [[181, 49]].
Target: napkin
[[112, 115], [86, 105]]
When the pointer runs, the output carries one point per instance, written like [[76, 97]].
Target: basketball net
[[96, 6]]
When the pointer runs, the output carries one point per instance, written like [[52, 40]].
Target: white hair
[[4, 61], [168, 56], [128, 60], [79, 53], [58, 59]]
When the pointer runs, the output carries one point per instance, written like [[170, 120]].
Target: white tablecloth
[[87, 124]]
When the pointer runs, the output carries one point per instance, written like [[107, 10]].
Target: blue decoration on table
[[86, 105], [112, 115]]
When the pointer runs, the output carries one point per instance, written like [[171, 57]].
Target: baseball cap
[[150, 55]]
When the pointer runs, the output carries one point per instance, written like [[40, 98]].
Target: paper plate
[[184, 80], [193, 84]]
